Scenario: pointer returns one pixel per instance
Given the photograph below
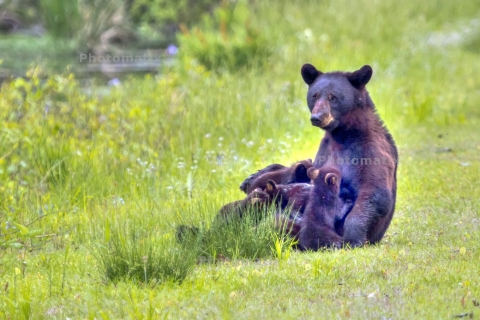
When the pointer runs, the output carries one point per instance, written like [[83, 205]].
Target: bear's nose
[[321, 119], [316, 119]]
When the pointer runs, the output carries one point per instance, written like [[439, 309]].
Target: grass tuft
[[133, 253], [255, 235]]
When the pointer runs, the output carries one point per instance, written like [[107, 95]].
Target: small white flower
[[151, 168], [118, 201], [308, 33]]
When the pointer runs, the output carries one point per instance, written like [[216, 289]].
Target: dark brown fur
[[297, 173], [341, 106], [318, 223], [255, 200], [293, 197]]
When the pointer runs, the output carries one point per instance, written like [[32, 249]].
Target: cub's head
[[279, 174], [276, 193], [333, 94], [326, 179], [272, 189], [299, 171]]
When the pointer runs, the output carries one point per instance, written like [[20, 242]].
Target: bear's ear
[[300, 172], [360, 78], [313, 173], [271, 186], [310, 73], [331, 179]]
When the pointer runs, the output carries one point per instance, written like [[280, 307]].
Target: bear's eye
[[331, 97], [315, 96]]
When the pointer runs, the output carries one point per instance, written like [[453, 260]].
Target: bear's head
[[332, 95], [297, 173], [325, 179], [276, 193]]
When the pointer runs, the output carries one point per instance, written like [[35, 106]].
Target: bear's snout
[[321, 119]]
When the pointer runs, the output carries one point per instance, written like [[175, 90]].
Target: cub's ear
[[360, 78], [307, 163], [300, 173], [271, 186], [313, 173], [331, 179], [310, 73]]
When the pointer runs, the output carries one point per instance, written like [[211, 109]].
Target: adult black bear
[[318, 222], [356, 143]]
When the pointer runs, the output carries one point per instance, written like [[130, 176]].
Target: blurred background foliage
[[64, 19], [166, 15], [225, 40], [217, 33]]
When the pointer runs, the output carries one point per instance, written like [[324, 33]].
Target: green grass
[[81, 171], [19, 51]]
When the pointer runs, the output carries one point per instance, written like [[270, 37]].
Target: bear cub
[[257, 200], [291, 197], [318, 222], [280, 174]]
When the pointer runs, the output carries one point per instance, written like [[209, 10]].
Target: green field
[[91, 179]]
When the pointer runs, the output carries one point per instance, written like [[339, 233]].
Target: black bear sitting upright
[[356, 143]]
